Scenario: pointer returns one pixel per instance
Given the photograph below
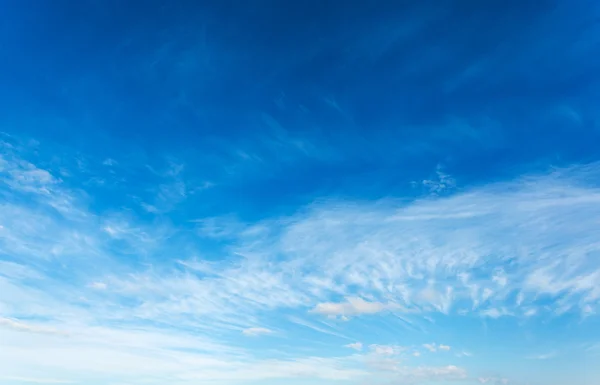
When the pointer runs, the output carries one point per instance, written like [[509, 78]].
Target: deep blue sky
[[381, 91]]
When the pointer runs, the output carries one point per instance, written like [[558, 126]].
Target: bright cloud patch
[[434, 347]]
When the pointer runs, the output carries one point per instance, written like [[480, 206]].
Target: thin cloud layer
[[453, 248]]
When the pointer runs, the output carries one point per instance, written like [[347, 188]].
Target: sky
[[304, 193]]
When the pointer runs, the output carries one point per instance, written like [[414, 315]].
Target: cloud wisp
[[353, 306], [257, 331]]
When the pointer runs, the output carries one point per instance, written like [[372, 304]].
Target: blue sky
[[307, 193]]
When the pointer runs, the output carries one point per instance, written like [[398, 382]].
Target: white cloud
[[431, 347], [319, 327], [364, 254], [435, 347], [356, 346], [353, 306], [386, 350], [26, 177], [28, 327], [530, 312], [389, 365], [149, 357], [441, 183], [495, 313], [500, 278], [99, 285], [257, 331]]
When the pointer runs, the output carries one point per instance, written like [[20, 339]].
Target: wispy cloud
[[257, 331], [433, 347], [99, 285], [353, 306], [344, 260], [386, 350], [30, 328], [355, 345], [496, 313], [109, 162], [318, 327], [441, 183]]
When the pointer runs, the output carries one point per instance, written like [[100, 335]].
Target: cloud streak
[[257, 331], [353, 306]]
